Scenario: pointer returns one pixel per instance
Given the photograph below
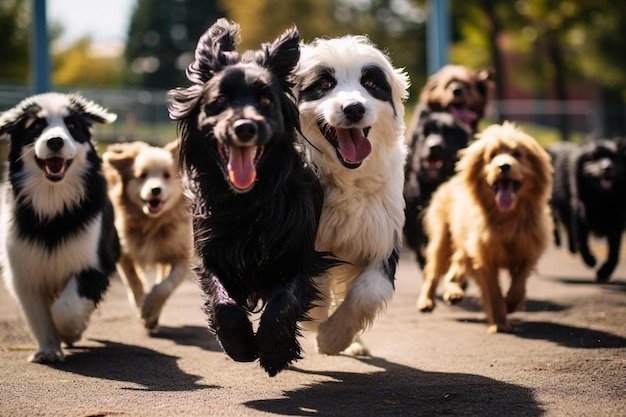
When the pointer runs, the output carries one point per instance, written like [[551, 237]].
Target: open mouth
[[432, 163], [606, 182], [506, 190], [153, 206], [240, 164], [54, 168], [352, 144], [458, 110]]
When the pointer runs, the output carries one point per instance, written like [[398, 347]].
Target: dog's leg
[[229, 321], [517, 291], [277, 335], [36, 308], [133, 282], [321, 306], [583, 246], [494, 304], [614, 240], [72, 310], [156, 298], [454, 280], [366, 298], [438, 262]]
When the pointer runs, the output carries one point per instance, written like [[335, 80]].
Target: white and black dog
[[58, 244], [255, 202], [350, 99]]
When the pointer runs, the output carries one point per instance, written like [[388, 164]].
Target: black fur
[[256, 245], [434, 143], [589, 196], [47, 227]]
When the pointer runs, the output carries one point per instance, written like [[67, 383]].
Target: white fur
[[363, 211], [44, 281]]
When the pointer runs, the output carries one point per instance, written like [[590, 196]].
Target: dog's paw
[[332, 342], [151, 309], [453, 293], [499, 328], [47, 356], [589, 260], [234, 331], [425, 304], [357, 348], [604, 273]]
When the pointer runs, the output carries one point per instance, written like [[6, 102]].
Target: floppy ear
[[216, 48], [91, 111], [10, 119], [121, 156]]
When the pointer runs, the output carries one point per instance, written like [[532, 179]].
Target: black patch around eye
[[78, 127], [317, 84], [381, 89]]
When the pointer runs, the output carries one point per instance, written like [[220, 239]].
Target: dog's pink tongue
[[505, 195], [466, 116], [353, 145], [241, 169]]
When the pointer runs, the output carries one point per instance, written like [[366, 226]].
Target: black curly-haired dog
[[589, 197], [434, 142], [256, 203]]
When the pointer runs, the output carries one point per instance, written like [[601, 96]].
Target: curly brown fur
[[493, 214]]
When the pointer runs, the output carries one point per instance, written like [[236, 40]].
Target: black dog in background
[[434, 143], [255, 203], [589, 197]]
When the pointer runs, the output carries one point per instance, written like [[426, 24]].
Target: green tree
[[162, 37], [14, 32], [80, 66], [396, 26]]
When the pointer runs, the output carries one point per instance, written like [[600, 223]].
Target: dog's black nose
[[54, 144], [245, 130], [354, 112], [457, 92], [504, 168], [156, 191]]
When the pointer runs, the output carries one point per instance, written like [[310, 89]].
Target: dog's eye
[[71, 125], [326, 84], [265, 101], [516, 154], [143, 175], [369, 83], [166, 175], [221, 100]]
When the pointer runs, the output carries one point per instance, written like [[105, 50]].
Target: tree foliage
[[161, 39], [81, 66], [14, 32]]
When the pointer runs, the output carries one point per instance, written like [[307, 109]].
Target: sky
[[104, 21]]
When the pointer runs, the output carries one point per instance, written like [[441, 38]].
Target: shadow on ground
[[152, 370], [400, 390], [189, 336]]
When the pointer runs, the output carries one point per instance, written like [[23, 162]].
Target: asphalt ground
[[567, 357]]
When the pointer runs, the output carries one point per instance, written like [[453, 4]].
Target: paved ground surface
[[567, 358]]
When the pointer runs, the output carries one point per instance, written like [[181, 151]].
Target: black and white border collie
[[256, 204], [350, 99], [58, 245]]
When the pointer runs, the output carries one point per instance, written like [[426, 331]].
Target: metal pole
[[40, 56], [437, 34]]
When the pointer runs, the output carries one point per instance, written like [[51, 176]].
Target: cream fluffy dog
[[493, 214], [152, 221], [352, 116]]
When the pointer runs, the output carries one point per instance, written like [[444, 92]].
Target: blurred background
[[560, 65]]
